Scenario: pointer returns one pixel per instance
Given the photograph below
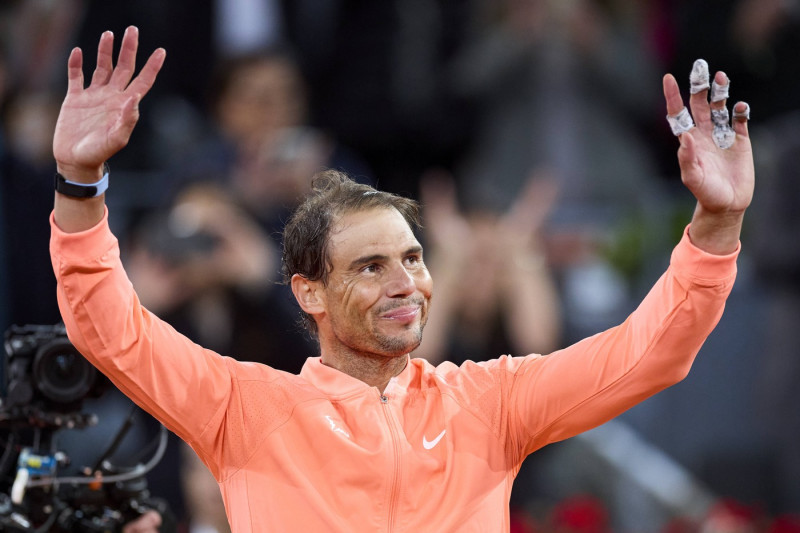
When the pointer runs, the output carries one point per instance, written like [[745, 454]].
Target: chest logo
[[428, 444]]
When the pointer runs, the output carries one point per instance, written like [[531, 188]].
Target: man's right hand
[[96, 122]]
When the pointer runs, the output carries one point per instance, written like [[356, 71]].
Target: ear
[[307, 294]]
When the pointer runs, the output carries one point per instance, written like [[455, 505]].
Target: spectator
[[259, 144], [209, 266], [775, 228], [563, 87], [513, 305]]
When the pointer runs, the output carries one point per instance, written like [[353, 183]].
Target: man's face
[[378, 291]]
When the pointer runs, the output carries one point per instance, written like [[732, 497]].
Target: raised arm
[[180, 383], [588, 383], [716, 160], [96, 122]]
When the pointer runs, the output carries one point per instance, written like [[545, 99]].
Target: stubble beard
[[397, 345], [374, 343]]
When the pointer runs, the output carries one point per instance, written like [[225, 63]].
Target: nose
[[401, 283]]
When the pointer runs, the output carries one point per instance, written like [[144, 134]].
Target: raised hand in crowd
[[488, 264]]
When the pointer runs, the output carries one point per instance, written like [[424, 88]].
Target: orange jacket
[[322, 451]]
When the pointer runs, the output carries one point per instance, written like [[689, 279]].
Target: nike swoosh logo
[[428, 444]]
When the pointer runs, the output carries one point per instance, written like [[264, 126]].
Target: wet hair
[[306, 236]]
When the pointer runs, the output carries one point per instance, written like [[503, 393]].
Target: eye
[[370, 268], [414, 259]]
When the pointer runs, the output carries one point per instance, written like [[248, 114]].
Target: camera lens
[[61, 373]]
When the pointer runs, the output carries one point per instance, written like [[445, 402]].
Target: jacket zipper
[[395, 491]]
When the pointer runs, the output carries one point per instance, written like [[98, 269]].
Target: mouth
[[404, 314]]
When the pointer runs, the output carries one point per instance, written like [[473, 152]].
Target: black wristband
[[81, 190]]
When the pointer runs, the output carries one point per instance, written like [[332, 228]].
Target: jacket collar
[[333, 382]]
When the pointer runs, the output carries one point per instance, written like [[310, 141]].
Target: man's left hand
[[722, 179]]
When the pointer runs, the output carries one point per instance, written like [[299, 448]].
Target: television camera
[[44, 381]]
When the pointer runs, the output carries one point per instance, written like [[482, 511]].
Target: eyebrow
[[366, 259]]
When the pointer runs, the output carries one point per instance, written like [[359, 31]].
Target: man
[[365, 438]]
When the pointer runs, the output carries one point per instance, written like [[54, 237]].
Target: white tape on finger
[[680, 123], [743, 115], [720, 117], [723, 134], [698, 79], [720, 92]]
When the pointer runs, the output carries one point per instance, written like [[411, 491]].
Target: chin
[[400, 345]]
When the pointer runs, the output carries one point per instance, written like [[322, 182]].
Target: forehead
[[374, 231]]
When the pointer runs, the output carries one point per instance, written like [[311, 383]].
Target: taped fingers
[[720, 88], [713, 117], [699, 78], [720, 117], [699, 85], [723, 133], [741, 112], [681, 122], [720, 91]]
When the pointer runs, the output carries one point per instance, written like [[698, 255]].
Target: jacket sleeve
[[183, 385], [575, 389]]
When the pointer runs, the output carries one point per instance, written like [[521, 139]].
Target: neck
[[374, 370]]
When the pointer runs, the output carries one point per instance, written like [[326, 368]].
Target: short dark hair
[[306, 235]]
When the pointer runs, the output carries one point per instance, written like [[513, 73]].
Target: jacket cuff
[[694, 262], [81, 246]]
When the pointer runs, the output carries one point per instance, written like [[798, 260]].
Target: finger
[[120, 132], [105, 49], [75, 71], [672, 95], [698, 101], [691, 173], [741, 114], [678, 116], [126, 62], [719, 95], [723, 133], [144, 81], [720, 88]]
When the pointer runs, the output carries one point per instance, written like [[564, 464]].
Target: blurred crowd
[[533, 133]]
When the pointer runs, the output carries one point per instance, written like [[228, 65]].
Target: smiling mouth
[[402, 314]]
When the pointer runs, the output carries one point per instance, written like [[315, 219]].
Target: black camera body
[[43, 383], [44, 377]]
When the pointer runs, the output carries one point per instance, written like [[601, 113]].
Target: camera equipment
[[44, 379], [43, 383]]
